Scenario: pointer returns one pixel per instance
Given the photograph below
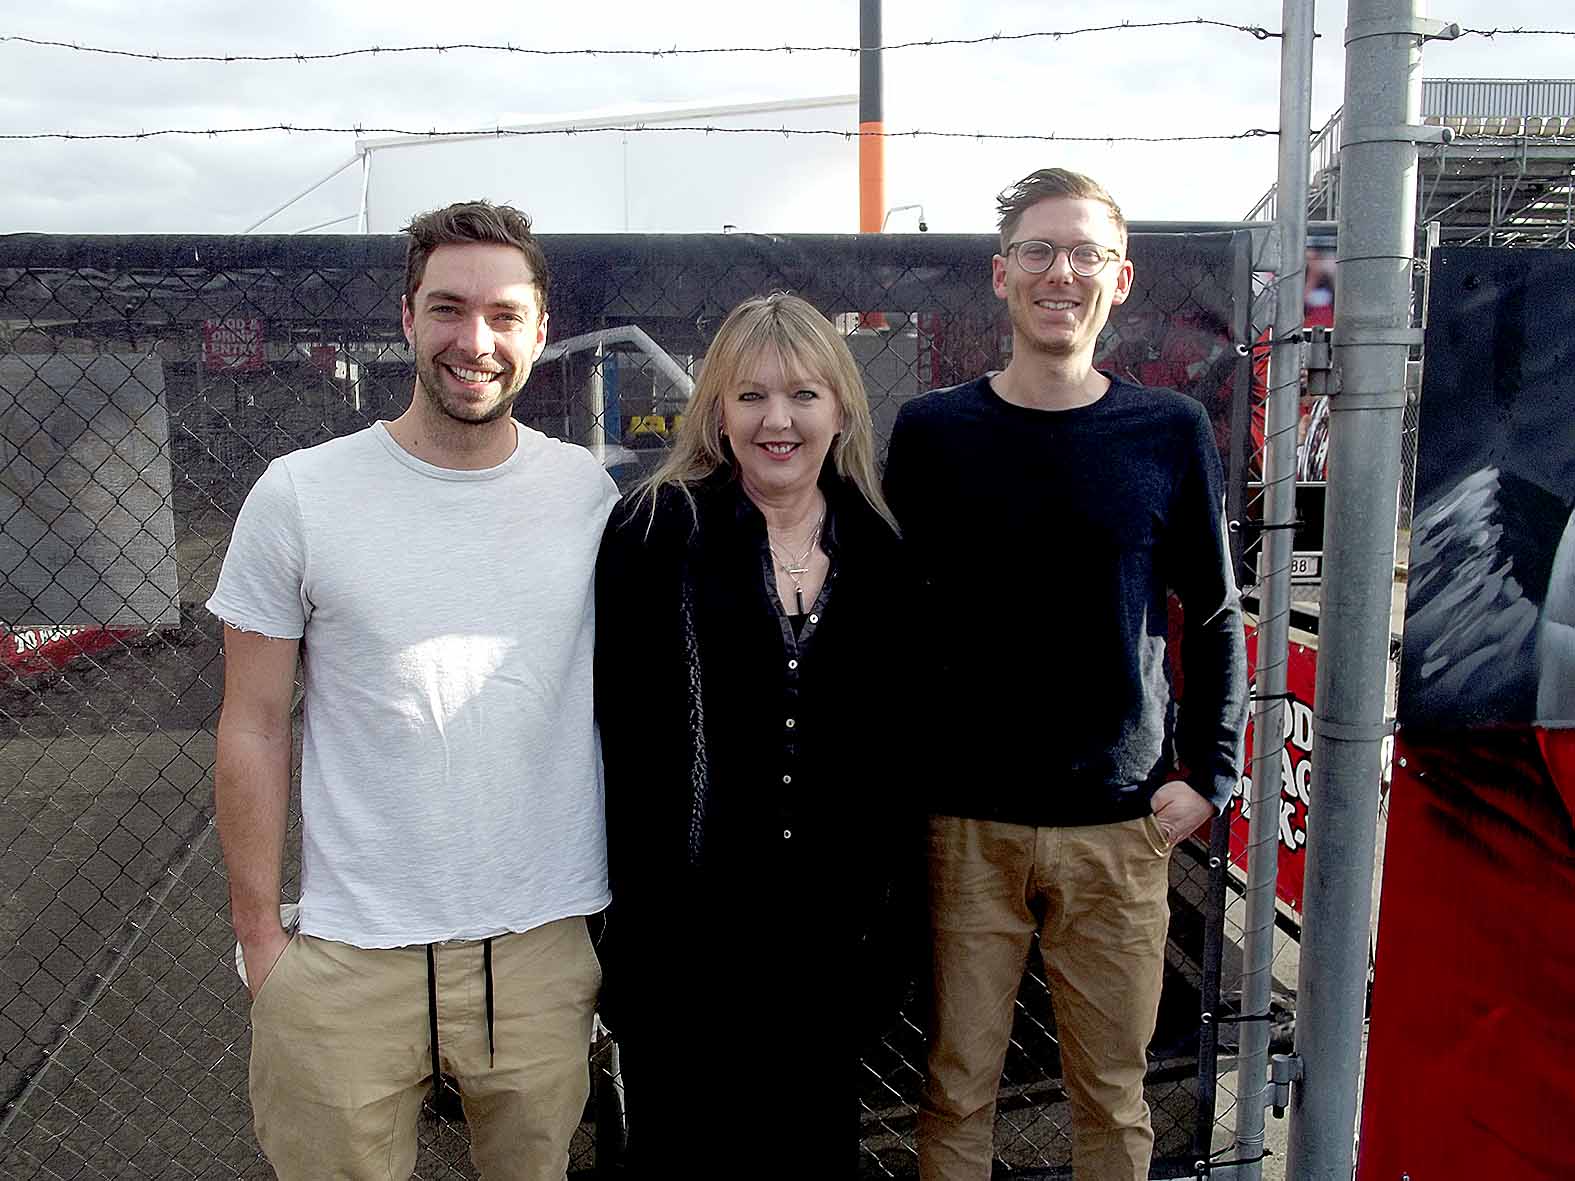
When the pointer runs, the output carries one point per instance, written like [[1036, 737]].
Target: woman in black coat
[[755, 689]]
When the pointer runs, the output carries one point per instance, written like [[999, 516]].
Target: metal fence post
[[1279, 513], [1373, 335]]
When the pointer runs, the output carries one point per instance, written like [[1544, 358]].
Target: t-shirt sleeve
[[262, 584]]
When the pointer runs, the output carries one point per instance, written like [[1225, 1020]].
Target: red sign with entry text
[[1295, 774], [233, 345]]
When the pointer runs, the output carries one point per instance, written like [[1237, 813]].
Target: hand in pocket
[[260, 954], [1180, 810]]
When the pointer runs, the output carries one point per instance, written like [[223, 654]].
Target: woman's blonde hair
[[808, 346]]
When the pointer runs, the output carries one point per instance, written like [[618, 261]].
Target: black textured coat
[[765, 872]]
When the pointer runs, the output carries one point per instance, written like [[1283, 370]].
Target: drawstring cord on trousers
[[486, 967], [441, 1083]]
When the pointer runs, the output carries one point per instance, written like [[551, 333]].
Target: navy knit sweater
[[1047, 541]]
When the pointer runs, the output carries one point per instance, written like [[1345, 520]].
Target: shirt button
[[792, 664], [790, 723], [787, 779], [787, 834], [814, 619]]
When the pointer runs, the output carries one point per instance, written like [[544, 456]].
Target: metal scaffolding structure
[[1506, 179]]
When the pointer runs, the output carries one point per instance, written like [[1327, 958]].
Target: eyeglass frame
[[1108, 255]]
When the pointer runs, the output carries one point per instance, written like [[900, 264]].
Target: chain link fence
[[146, 382], [1312, 457], [1251, 445]]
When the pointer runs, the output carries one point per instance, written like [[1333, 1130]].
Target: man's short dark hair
[[473, 221], [1053, 182]]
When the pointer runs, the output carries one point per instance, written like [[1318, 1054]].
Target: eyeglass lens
[[1086, 258]]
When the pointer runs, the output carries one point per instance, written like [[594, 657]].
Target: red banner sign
[[1295, 771], [233, 345], [35, 650]]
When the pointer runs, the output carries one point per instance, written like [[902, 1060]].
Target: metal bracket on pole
[[1356, 336], [1353, 731], [1284, 1069], [1416, 26], [1266, 251], [1318, 360], [1405, 133]]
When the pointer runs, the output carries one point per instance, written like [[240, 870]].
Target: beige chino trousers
[[1096, 896], [341, 1053]]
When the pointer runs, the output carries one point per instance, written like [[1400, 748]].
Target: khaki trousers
[[341, 1053], [1097, 897]]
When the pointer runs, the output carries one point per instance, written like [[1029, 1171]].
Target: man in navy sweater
[[1052, 506]]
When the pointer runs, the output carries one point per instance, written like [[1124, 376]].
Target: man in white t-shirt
[[432, 576]]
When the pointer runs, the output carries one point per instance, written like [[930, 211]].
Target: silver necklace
[[798, 568]]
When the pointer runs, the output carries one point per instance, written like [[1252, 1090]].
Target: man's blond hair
[[1039, 186]]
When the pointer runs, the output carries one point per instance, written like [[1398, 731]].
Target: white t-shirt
[[451, 776]]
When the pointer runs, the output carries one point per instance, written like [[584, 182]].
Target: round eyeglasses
[[1086, 258]]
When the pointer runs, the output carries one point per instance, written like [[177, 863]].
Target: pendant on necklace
[[798, 594], [795, 571]]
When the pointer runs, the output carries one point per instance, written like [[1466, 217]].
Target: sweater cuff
[[1219, 787]]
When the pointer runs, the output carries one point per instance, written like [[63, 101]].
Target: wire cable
[[1491, 33], [1256, 31], [507, 132]]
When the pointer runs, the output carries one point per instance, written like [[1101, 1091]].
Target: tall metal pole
[[1279, 515], [1373, 335], [872, 122]]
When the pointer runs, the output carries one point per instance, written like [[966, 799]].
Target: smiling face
[[1060, 312], [781, 426], [476, 326]]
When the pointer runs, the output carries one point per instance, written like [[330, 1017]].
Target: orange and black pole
[[872, 142]]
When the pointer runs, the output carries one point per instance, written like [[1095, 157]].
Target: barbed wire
[[506, 132], [1517, 32], [1256, 31]]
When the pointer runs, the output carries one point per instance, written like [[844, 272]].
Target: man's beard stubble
[[429, 378]]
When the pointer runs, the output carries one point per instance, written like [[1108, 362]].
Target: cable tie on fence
[[1214, 1162], [1243, 348], [1245, 1018], [1273, 528], [1265, 697]]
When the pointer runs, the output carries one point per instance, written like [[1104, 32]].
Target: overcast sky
[[1129, 82]]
